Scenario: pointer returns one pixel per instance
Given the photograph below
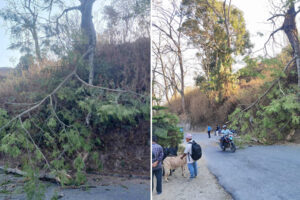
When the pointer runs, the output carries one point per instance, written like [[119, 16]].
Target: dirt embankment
[[204, 187], [126, 151]]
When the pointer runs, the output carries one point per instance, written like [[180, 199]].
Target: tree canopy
[[219, 32]]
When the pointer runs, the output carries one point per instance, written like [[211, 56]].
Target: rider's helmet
[[224, 126]]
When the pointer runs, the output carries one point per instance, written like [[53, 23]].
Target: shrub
[[164, 126]]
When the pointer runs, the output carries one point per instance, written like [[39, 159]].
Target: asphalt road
[[11, 188], [255, 173]]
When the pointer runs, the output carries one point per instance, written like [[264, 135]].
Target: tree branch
[[269, 89], [48, 177], [171, 82], [54, 113], [274, 16], [65, 11], [41, 102], [36, 146], [272, 35], [107, 89]]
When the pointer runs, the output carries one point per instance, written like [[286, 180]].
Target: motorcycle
[[228, 143]]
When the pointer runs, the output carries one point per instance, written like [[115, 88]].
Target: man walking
[[208, 131], [192, 164], [157, 157]]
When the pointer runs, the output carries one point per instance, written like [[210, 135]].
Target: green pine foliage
[[277, 114], [57, 138], [164, 126]]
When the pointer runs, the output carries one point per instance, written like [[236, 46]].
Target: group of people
[[158, 156], [224, 132], [217, 131]]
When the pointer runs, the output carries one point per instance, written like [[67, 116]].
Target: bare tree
[[289, 26], [158, 51], [169, 22], [88, 32]]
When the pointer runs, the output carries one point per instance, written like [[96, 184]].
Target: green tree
[[25, 62], [218, 30], [23, 20], [127, 20], [165, 127]]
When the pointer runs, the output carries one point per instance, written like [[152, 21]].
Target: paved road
[[255, 173], [127, 190]]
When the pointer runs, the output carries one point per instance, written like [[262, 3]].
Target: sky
[[5, 55], [10, 58], [256, 13]]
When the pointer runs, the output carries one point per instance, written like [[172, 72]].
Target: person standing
[[208, 131], [217, 130], [192, 164], [157, 157]]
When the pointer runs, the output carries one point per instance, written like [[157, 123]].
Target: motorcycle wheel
[[232, 147], [222, 147]]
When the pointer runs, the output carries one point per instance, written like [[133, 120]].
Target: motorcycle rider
[[225, 133]]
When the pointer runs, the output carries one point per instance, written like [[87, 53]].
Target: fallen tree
[[51, 134]]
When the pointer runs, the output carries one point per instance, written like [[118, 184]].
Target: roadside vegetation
[[78, 100], [260, 101]]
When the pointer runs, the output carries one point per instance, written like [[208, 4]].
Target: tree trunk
[[89, 40], [182, 101], [89, 34], [290, 29], [227, 21], [165, 79], [182, 79], [36, 44]]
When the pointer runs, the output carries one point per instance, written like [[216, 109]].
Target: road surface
[[258, 172], [107, 188]]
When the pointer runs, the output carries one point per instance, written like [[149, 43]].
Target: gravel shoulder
[[204, 187]]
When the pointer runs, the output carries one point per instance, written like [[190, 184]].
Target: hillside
[[116, 140], [4, 72], [264, 88]]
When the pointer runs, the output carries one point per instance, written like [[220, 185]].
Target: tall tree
[[127, 20], [88, 32], [289, 26], [218, 30], [168, 21]]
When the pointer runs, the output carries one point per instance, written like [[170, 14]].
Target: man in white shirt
[[192, 164]]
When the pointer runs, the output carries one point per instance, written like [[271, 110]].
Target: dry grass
[[203, 109], [15, 88]]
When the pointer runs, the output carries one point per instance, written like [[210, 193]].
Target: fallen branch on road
[[42, 176], [269, 89]]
